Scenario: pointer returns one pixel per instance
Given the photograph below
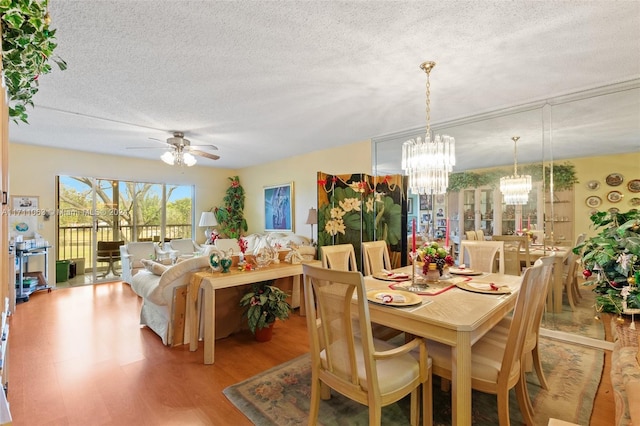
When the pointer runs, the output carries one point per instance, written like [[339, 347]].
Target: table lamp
[[312, 219], [208, 219]]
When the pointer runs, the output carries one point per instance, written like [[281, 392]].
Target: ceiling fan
[[181, 152]]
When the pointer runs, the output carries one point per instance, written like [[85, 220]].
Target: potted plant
[[611, 260], [265, 303]]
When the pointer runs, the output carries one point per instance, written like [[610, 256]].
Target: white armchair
[[132, 253], [183, 246]]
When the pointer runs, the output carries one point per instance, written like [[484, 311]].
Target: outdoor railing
[[75, 242]]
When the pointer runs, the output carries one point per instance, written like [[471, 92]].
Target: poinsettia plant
[[611, 260], [230, 217]]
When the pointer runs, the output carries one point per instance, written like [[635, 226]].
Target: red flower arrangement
[[243, 244]]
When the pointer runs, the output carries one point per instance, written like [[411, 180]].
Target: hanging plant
[[27, 48], [230, 217]]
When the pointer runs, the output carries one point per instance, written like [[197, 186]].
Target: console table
[[212, 281], [22, 257]]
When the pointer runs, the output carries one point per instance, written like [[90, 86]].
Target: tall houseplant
[[612, 260], [230, 216], [27, 47]]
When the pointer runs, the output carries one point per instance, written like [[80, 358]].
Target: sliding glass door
[[98, 215]]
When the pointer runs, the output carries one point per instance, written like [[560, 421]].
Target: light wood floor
[[79, 357]]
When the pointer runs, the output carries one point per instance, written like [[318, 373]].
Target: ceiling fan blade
[[205, 146], [148, 147], [204, 154]]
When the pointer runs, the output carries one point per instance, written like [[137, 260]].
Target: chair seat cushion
[[486, 357], [393, 373]]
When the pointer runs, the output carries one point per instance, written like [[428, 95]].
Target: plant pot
[[264, 334]]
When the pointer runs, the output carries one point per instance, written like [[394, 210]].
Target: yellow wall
[[302, 171], [33, 170], [597, 168]]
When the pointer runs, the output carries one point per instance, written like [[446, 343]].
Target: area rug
[[581, 322], [280, 396]]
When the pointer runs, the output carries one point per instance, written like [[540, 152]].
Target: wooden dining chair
[[372, 372], [481, 255], [496, 362], [340, 256], [376, 257], [516, 253], [479, 235], [471, 235], [531, 345]]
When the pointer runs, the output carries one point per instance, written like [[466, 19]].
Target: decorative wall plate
[[614, 196], [592, 212], [614, 179], [614, 210], [593, 201], [635, 201], [593, 185], [634, 185]]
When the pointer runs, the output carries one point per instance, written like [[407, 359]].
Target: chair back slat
[[376, 257], [481, 255], [341, 257]]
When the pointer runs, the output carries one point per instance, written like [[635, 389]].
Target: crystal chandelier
[[515, 189], [178, 157], [428, 162]]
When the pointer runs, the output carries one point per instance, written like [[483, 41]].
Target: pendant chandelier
[[515, 189], [427, 162]]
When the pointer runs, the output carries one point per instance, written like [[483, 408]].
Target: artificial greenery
[[612, 260], [27, 47], [230, 217], [265, 303], [564, 177]]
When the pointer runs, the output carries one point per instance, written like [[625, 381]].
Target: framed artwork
[[278, 207], [425, 202], [24, 202], [410, 205]]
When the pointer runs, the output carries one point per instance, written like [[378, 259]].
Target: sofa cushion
[[144, 283], [154, 267]]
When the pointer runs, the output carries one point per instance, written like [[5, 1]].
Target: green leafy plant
[[564, 176], [230, 217], [612, 259], [265, 303], [27, 45]]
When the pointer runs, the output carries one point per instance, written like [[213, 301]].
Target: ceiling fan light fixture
[[168, 158], [188, 159]]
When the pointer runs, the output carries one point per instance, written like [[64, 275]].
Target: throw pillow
[[154, 267]]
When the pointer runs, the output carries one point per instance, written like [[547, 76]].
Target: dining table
[[561, 254], [454, 316]]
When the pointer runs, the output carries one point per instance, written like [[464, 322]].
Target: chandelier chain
[[515, 155]]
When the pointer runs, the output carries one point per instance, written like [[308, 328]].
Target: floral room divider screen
[[355, 208]]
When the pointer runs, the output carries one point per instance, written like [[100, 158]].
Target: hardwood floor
[[79, 357]]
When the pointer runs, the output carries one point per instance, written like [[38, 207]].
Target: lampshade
[[178, 157], [312, 218], [207, 219]]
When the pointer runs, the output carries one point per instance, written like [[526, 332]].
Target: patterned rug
[[280, 396], [581, 322]]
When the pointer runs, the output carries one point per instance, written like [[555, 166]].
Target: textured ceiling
[[267, 80]]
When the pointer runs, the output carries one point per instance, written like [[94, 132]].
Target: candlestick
[[529, 223], [446, 237], [413, 242]]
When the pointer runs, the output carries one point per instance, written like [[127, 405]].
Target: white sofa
[[184, 247], [285, 240], [157, 290], [131, 255]]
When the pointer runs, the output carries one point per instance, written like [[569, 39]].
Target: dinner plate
[[634, 185], [593, 185], [465, 271], [614, 196], [410, 299], [482, 287], [614, 179], [393, 277], [593, 201]]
